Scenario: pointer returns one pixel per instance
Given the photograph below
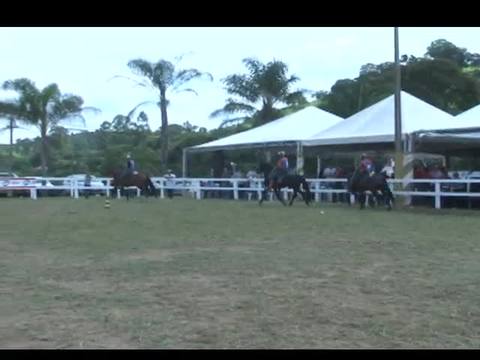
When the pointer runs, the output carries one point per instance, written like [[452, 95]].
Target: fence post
[[259, 191], [138, 192], [33, 193], [235, 189], [198, 190], [162, 191], [438, 203], [467, 189], [329, 195], [317, 191], [76, 189], [118, 193], [107, 193]]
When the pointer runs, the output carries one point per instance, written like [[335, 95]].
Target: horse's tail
[[306, 188], [351, 179], [151, 186]]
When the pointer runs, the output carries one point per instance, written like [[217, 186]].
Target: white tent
[[465, 136], [289, 129], [376, 124], [470, 117]]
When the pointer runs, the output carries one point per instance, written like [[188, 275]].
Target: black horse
[[295, 182], [140, 180], [376, 184]]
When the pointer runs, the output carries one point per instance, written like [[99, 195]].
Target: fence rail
[[200, 187]]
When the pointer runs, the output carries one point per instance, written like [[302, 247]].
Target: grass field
[[231, 274]]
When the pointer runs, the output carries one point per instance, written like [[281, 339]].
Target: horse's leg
[[361, 200], [388, 197], [295, 191], [303, 194], [371, 199], [306, 196], [377, 197], [263, 196], [279, 197]]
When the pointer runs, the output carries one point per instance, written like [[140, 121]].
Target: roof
[[450, 140], [291, 128], [377, 123]]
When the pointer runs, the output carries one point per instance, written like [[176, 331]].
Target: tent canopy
[[376, 124], [470, 117], [289, 129]]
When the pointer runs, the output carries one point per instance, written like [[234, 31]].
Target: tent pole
[[299, 158], [184, 163], [268, 156], [399, 171], [319, 165]]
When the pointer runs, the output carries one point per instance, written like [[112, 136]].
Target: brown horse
[[138, 179], [377, 184]]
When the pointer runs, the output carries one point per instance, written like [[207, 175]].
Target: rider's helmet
[[363, 156], [129, 156], [281, 153]]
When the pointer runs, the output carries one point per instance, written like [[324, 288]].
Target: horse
[[138, 179], [377, 184], [289, 181]]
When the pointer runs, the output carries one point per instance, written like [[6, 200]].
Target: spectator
[[87, 183], [252, 176], [169, 176], [389, 169]]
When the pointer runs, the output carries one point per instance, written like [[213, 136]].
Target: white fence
[[242, 188]]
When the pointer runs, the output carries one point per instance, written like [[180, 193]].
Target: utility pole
[[399, 170]]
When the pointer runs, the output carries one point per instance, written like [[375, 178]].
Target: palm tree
[[7, 109], [44, 108], [162, 76], [267, 84]]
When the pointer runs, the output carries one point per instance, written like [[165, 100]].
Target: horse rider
[[130, 165], [280, 170], [366, 165], [364, 169]]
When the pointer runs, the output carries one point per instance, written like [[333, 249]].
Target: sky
[[87, 61]]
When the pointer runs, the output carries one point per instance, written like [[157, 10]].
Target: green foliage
[[447, 77], [265, 84], [163, 76], [46, 108]]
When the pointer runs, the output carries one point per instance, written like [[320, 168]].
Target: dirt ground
[[229, 274]]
